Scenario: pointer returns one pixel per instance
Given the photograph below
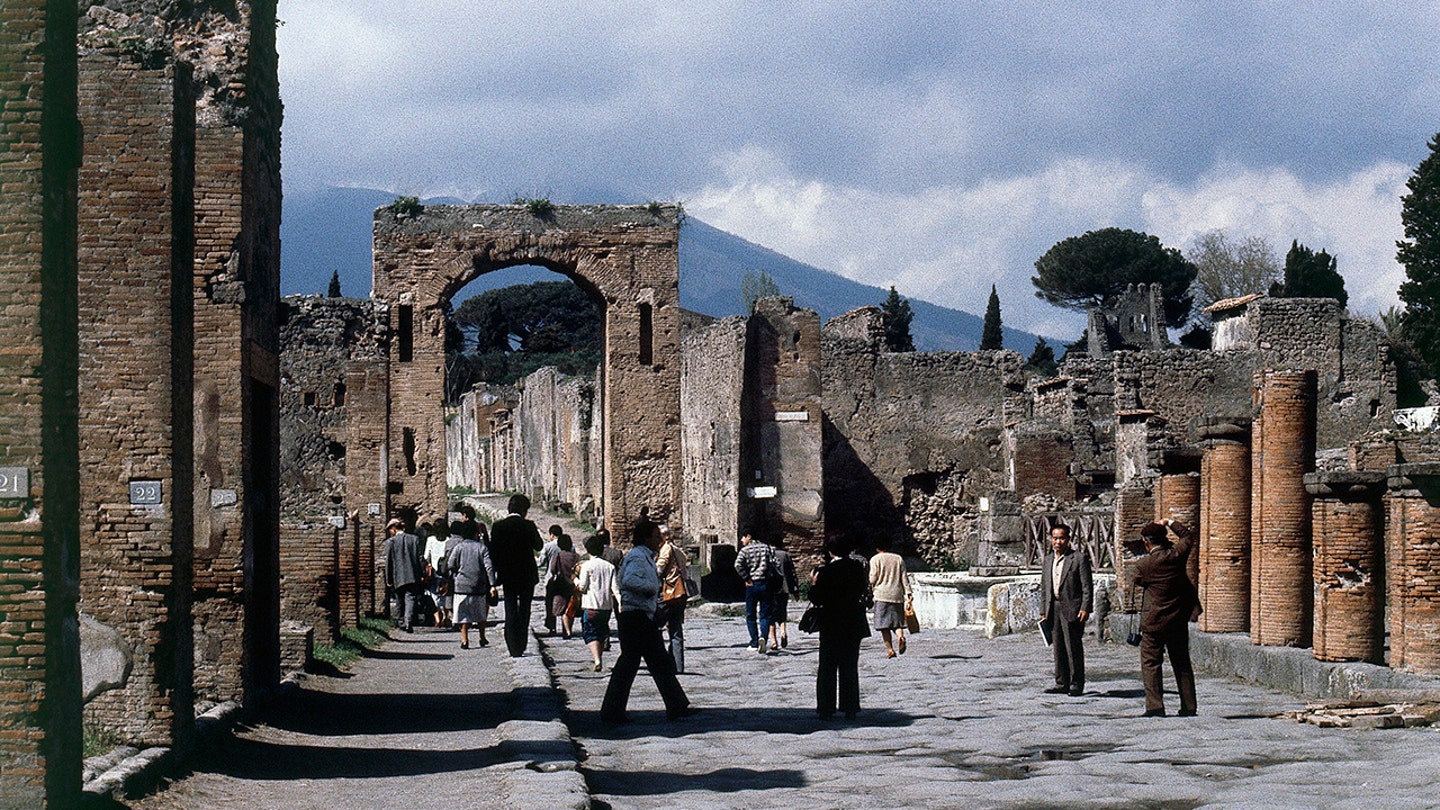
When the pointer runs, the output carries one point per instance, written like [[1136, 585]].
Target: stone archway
[[626, 257]]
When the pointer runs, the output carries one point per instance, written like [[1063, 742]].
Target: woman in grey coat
[[474, 581]]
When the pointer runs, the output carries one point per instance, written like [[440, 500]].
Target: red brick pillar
[[1349, 613], [1224, 552], [1412, 560], [1134, 507], [1177, 497], [40, 699], [1281, 586]]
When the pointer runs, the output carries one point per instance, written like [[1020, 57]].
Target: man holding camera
[[1169, 601]]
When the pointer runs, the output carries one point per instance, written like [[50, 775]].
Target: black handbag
[[810, 620]]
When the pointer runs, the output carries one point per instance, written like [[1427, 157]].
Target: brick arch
[[626, 257]]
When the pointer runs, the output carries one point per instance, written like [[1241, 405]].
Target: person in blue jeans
[[756, 565]]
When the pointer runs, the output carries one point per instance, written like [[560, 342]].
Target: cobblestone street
[[961, 721]]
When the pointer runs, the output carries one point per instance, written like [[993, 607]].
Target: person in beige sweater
[[891, 588]]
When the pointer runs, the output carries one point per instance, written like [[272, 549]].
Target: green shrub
[[95, 741], [406, 206]]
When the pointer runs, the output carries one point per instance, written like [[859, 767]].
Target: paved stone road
[[960, 721]]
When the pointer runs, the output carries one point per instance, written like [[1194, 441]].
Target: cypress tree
[[991, 337]]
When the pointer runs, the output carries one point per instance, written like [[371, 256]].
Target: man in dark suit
[[1067, 596], [1169, 600], [514, 542]]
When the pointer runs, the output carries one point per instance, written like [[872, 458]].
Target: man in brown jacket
[[1169, 601]]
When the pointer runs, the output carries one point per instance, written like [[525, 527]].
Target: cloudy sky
[[936, 146]]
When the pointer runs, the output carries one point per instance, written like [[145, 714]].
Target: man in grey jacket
[[1067, 596], [474, 574], [404, 570]]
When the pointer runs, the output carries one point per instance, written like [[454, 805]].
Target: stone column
[[1349, 611], [1177, 497], [1281, 598], [1224, 552], [1134, 507], [1412, 552]]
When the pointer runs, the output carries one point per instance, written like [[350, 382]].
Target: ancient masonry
[[40, 701], [159, 405]]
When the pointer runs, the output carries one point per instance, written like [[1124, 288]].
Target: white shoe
[[752, 648], [763, 645]]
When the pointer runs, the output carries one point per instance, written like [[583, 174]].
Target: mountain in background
[[330, 230]]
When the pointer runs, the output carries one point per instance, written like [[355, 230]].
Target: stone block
[[105, 658]]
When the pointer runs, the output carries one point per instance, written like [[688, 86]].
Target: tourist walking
[[782, 588], [756, 565], [891, 586], [404, 571], [474, 577], [838, 589], [674, 570], [547, 553], [639, 634], [560, 584], [599, 595], [1067, 597], [514, 541], [1167, 603], [436, 574]]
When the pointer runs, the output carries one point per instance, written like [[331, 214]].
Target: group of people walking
[[469, 569]]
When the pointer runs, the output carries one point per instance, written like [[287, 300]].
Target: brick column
[[1177, 497], [136, 409], [1349, 611], [1412, 560], [1134, 507], [1224, 552], [1281, 598], [40, 699]]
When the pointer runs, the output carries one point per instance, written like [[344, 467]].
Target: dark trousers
[[1068, 643], [640, 639], [406, 599], [758, 603], [839, 662], [517, 619], [673, 613], [1176, 641]]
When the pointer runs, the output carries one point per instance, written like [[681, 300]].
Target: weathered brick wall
[[624, 255], [1349, 557], [781, 409], [310, 583], [236, 294], [1224, 549], [909, 417], [39, 520], [332, 439], [712, 379], [1412, 541], [1037, 461], [1281, 584], [135, 263]]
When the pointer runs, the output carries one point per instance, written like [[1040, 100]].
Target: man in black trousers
[[1067, 596], [514, 542]]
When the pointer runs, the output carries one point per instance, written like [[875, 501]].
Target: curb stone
[[546, 772]]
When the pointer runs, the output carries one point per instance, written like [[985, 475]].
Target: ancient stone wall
[[712, 379], [623, 256], [914, 416], [332, 440], [781, 409], [1134, 507], [135, 219], [40, 700]]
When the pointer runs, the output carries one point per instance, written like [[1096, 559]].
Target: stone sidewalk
[[961, 721]]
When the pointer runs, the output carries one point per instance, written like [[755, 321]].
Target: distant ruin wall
[[914, 416], [711, 381]]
